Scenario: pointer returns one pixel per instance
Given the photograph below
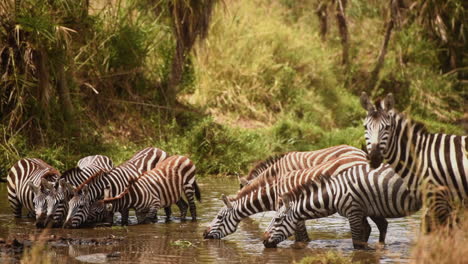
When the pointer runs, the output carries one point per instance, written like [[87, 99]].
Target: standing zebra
[[61, 191], [436, 165], [160, 187], [355, 193], [262, 194], [24, 185]]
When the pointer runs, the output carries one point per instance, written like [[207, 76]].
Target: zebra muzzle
[[375, 157], [40, 221]]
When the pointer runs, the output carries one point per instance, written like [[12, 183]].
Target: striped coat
[[160, 187], [355, 193], [263, 192], [435, 165], [24, 189], [117, 180]]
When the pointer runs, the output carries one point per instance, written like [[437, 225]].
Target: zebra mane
[[254, 184], [50, 173], [90, 179], [261, 166], [131, 182]]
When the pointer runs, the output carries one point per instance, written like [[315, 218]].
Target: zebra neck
[[260, 200], [406, 151]]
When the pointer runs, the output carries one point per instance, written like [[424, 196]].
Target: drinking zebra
[[117, 179], [355, 193], [25, 188], [436, 165], [262, 194], [160, 187], [290, 161], [61, 191]]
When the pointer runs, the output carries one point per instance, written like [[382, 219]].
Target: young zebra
[[262, 194], [160, 187], [61, 191], [355, 193], [437, 162], [24, 180]]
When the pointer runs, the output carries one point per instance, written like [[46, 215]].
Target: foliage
[[329, 257], [444, 245]]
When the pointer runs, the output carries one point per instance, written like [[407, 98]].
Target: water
[[157, 243]]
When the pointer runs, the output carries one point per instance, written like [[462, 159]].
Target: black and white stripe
[[436, 165], [160, 187], [117, 180], [62, 190], [262, 192], [25, 188], [355, 193]]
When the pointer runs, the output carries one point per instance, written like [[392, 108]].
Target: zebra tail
[[197, 191]]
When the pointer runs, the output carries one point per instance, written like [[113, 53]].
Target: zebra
[[25, 188], [436, 165], [262, 194], [355, 193], [61, 191], [117, 179], [157, 188], [260, 167]]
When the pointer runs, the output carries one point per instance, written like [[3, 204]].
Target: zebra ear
[[109, 207], [67, 186], [366, 103], [226, 201], [243, 181], [84, 190], [389, 102], [47, 185], [286, 201], [33, 187]]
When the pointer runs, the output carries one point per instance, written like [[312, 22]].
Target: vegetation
[[445, 245], [225, 84], [329, 258]]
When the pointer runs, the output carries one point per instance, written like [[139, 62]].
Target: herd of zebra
[[94, 190], [403, 168]]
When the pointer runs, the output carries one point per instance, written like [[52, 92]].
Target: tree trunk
[[64, 93], [322, 14], [383, 51], [177, 70], [343, 27]]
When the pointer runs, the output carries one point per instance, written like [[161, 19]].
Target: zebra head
[[101, 210], [224, 223], [78, 208], [379, 125], [40, 193], [281, 226], [57, 202]]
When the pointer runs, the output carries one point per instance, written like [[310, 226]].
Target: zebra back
[[147, 159]]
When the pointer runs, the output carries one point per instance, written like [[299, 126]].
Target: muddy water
[[161, 242]]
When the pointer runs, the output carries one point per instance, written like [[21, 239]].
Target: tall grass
[[444, 245]]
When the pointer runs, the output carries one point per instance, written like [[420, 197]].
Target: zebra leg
[[168, 212], [190, 194], [301, 232], [366, 228], [151, 216], [124, 216], [357, 229], [15, 205], [182, 208], [382, 225]]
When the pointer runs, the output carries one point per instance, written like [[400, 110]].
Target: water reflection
[[157, 243]]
